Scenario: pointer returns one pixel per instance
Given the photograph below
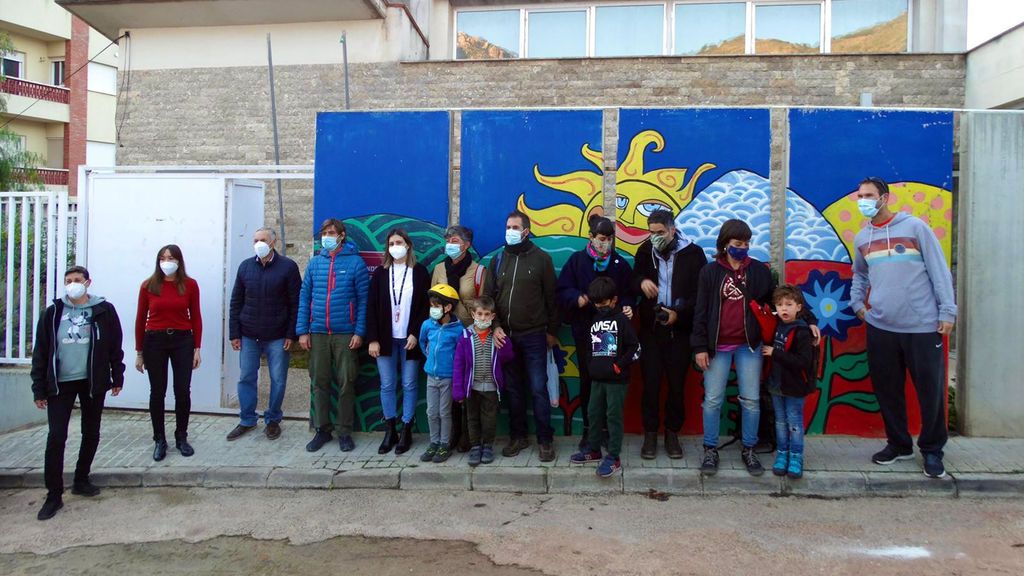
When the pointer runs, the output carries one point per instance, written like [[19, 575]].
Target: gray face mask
[[660, 241]]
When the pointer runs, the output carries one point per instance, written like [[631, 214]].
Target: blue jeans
[[748, 372], [387, 366], [277, 363], [789, 423], [526, 376]]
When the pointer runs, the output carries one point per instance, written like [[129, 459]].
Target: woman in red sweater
[[169, 327]]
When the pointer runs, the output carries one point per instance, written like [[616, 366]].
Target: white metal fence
[[34, 252]]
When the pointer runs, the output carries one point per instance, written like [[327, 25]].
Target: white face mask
[[262, 249], [398, 251], [513, 237], [169, 267], [75, 290]]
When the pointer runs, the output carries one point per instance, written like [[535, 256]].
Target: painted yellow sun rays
[[638, 193]]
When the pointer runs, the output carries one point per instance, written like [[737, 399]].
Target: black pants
[[890, 356], [481, 410], [668, 355], [460, 428], [159, 348], [583, 353], [58, 414]]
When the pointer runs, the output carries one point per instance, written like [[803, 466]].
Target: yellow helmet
[[445, 293]]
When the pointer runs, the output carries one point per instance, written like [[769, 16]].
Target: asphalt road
[[201, 531]]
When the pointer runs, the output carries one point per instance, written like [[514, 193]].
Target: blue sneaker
[[585, 457], [933, 467], [609, 465], [781, 463], [475, 455], [795, 470]]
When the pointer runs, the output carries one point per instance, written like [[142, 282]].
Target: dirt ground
[[203, 531]]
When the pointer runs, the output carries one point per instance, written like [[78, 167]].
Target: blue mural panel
[[704, 165], [531, 157], [382, 162]]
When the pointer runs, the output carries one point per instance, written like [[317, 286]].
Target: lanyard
[[397, 307]]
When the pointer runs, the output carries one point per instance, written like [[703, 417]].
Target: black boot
[[160, 450], [405, 441], [390, 437], [649, 450]]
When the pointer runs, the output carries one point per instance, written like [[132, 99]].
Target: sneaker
[[475, 456], [442, 454], [514, 447], [609, 465], [890, 455], [346, 444], [273, 431], [709, 463], [585, 457], [795, 470], [428, 454], [487, 454], [933, 467], [751, 461], [319, 439], [547, 452], [85, 488], [781, 463], [239, 431], [50, 507]]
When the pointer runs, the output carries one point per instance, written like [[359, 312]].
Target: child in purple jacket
[[478, 378]]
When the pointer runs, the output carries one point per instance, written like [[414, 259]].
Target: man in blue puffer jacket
[[331, 324]]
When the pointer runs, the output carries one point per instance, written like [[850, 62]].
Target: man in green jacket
[[522, 278]]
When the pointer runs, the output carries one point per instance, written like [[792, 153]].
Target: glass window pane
[[711, 28], [557, 34], [787, 29], [629, 30], [487, 35], [869, 25]]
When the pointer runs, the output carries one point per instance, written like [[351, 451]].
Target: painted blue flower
[[828, 296]]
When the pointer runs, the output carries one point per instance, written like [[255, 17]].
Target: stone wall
[[221, 116]]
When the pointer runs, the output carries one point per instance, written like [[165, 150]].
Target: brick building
[[199, 84], [65, 118]]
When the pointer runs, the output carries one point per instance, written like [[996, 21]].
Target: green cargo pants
[[605, 410], [330, 360]]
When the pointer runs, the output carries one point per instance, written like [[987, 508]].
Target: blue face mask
[[868, 207], [436, 312], [738, 253], [452, 250], [513, 237], [329, 242]]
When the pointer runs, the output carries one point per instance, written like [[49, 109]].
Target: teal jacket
[[438, 343]]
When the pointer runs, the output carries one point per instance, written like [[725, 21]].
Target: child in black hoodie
[[614, 347], [791, 380]]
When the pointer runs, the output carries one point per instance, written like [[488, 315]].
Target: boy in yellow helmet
[[438, 337]]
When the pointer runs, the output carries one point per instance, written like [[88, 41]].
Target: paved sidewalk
[[836, 466]]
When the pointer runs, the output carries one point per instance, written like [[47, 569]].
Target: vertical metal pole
[[277, 147], [344, 61]]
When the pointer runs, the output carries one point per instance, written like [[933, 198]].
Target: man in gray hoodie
[[903, 290]]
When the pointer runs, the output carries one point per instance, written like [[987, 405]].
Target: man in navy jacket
[[261, 322]]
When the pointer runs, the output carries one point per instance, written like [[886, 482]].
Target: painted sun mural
[[638, 193]]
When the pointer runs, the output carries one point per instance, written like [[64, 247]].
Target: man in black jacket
[[522, 280], [261, 322], [77, 354], [666, 268]]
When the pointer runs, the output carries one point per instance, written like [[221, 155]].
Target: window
[[14, 64], [55, 153], [487, 35], [57, 78], [869, 25], [703, 29], [787, 28], [102, 78], [556, 34], [629, 30]]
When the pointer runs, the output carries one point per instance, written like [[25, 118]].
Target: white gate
[[33, 257]]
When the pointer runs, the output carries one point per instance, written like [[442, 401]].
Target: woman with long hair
[[397, 307], [169, 329]]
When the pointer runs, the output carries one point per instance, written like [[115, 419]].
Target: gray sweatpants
[[439, 409]]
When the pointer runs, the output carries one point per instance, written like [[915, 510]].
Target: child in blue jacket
[[438, 338]]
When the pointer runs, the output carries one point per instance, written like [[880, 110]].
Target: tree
[[17, 166]]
